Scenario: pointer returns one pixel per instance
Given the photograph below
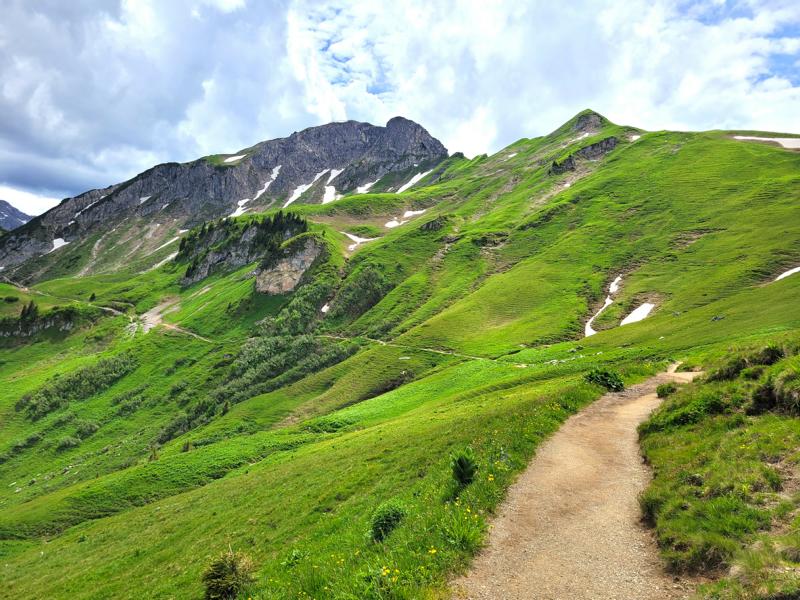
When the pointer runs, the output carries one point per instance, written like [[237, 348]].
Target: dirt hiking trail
[[570, 527]]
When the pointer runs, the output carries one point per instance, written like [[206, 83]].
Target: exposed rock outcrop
[[285, 273], [590, 152]]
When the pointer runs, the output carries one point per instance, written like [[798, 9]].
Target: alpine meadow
[[353, 364]]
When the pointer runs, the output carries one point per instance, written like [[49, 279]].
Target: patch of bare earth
[[570, 527]]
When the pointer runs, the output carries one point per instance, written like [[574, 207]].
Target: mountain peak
[[10, 217], [588, 120]]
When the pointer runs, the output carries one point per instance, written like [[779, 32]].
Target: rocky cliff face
[[590, 152], [285, 273], [317, 164]]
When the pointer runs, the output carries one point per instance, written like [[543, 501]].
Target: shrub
[[11, 299], [666, 389], [611, 380], [360, 292], [768, 355], [78, 385], [67, 442], [753, 373], [729, 370], [227, 575], [385, 518], [781, 393], [86, 428], [464, 467]]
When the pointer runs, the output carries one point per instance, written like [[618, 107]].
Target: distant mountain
[[10, 217], [317, 165]]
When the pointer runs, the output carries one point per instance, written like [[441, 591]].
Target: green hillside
[[130, 459]]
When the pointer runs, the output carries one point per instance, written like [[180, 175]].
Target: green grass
[[475, 340], [724, 491]]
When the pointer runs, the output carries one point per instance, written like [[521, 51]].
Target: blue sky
[[93, 92]]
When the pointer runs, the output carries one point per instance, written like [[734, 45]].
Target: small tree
[[93, 297], [464, 467], [227, 575]]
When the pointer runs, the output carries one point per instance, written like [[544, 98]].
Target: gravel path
[[570, 526]]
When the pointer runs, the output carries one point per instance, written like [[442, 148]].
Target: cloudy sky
[[94, 91]]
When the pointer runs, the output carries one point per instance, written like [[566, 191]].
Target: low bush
[[464, 467], [67, 443], [385, 519], [778, 393], [85, 428], [611, 380], [666, 389], [730, 369], [768, 355], [228, 575], [78, 385]]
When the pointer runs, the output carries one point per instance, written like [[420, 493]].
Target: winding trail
[[570, 526]]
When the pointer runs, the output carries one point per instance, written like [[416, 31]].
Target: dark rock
[[187, 194]]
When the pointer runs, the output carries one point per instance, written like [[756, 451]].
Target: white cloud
[[93, 92], [480, 75]]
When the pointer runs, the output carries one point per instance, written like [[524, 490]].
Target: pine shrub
[[385, 518], [464, 467], [228, 575]]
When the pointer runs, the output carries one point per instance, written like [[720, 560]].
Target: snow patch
[[633, 138], [357, 241], [791, 143], [58, 243], [334, 174], [512, 155], [88, 206], [612, 289], [330, 194], [165, 206], [300, 189], [272, 178], [325, 308], [412, 181], [161, 263], [413, 213], [787, 273], [241, 209], [231, 159], [144, 199], [165, 244], [566, 185], [394, 223], [363, 189], [638, 314]]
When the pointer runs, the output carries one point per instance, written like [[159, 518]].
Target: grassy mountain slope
[[462, 326]]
